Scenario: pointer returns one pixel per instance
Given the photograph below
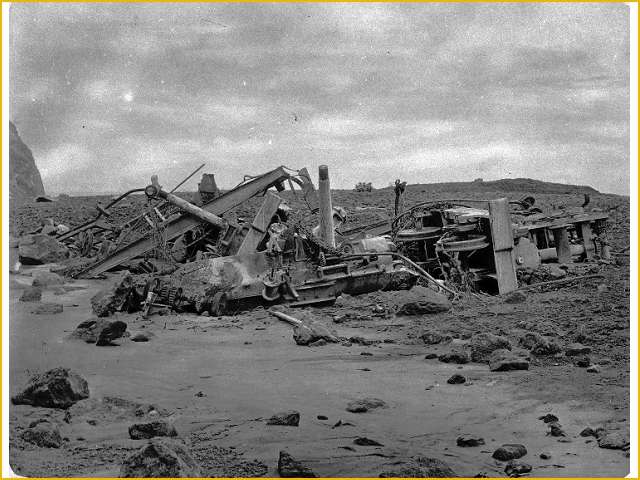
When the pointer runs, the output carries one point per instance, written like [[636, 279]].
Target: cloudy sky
[[108, 94]]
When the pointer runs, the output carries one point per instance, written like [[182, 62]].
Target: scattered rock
[[509, 451], [158, 428], [57, 388], [593, 369], [421, 467], [43, 434], [367, 442], [39, 249], [504, 360], [545, 347], [545, 456], [515, 297], [469, 441], [588, 432], [515, 469], [47, 308], [421, 301], [312, 331], [43, 278], [614, 441], [140, 337], [322, 417], [458, 356], [318, 343], [31, 294], [113, 298], [289, 467], [433, 338], [555, 430], [100, 330], [365, 404], [582, 361], [160, 458], [555, 272], [289, 418], [430, 356], [548, 418], [483, 345], [456, 379], [576, 349]]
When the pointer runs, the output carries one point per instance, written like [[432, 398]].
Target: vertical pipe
[[326, 208], [563, 247]]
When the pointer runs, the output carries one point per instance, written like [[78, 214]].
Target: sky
[[106, 95]]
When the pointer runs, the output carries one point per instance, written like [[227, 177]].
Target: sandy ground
[[219, 379]]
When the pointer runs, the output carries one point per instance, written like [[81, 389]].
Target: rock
[[504, 360], [100, 330], [469, 441], [25, 182], [367, 442], [365, 404], [509, 451], [421, 301], [545, 456], [114, 297], [545, 347], [57, 388], [433, 338], [582, 361], [47, 308], [515, 469], [39, 249], [312, 331], [421, 467], [458, 356], [456, 379], [555, 430], [289, 467], [548, 418], [530, 340], [160, 458], [318, 343], [322, 417], [140, 337], [43, 434], [588, 432], [290, 418], [576, 349], [46, 279], [515, 297], [593, 369], [430, 356], [556, 272], [31, 294], [614, 441], [158, 428], [483, 345]]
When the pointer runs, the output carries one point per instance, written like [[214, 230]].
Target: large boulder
[[99, 330], [57, 388], [421, 301], [160, 458], [113, 297], [421, 467], [46, 279], [39, 249], [43, 434], [289, 467], [483, 345], [159, 428], [504, 360], [509, 451]]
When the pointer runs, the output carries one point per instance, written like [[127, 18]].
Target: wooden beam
[[260, 224], [561, 241], [502, 237]]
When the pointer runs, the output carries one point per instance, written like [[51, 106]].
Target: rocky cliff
[[25, 182]]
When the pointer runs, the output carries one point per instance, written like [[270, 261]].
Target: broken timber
[[178, 226]]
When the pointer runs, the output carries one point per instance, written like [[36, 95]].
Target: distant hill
[[25, 182], [524, 185]]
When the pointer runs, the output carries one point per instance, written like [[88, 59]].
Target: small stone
[[433, 338], [504, 360], [582, 361], [365, 404], [455, 356], [515, 297], [593, 369], [47, 309], [160, 458], [456, 379], [430, 356], [43, 434], [289, 418], [31, 294], [158, 428], [588, 432], [366, 354], [509, 451], [140, 337], [545, 456], [469, 441], [555, 430], [318, 343], [45, 279], [576, 349], [420, 467], [614, 441], [483, 345], [322, 417], [548, 418], [515, 469], [367, 442], [289, 467]]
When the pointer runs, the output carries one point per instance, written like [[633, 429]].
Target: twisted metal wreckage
[[225, 264]]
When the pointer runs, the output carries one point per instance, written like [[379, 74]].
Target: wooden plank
[[587, 239], [563, 247], [260, 224], [502, 237]]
